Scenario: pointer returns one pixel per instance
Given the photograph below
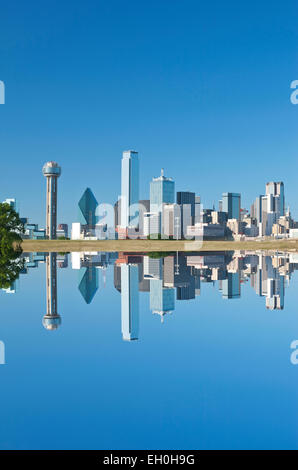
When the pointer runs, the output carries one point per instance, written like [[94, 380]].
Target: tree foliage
[[11, 228], [10, 220]]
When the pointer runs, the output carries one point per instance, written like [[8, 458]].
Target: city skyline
[[167, 280], [166, 214]]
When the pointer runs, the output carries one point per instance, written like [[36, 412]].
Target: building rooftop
[[162, 177]]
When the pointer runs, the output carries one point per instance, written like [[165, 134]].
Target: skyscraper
[[51, 320], [187, 203], [277, 190], [87, 209], [52, 171], [130, 189], [231, 203], [162, 191]]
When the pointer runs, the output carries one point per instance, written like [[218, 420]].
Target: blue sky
[[199, 88]]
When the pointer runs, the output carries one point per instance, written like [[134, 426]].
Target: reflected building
[[179, 276], [162, 299], [269, 282], [89, 265], [52, 320], [88, 283], [231, 286], [130, 302], [231, 203]]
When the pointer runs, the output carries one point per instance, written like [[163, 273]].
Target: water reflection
[[52, 319], [167, 278]]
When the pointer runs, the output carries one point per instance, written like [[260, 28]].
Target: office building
[[52, 171], [171, 221], [87, 209], [130, 190], [187, 203], [162, 191], [277, 190], [231, 203]]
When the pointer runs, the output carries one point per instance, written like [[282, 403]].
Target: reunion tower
[[52, 171], [52, 319]]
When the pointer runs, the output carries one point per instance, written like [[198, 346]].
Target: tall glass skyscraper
[[231, 203], [87, 209], [162, 190], [130, 189], [277, 190]]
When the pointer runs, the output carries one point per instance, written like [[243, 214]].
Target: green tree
[[11, 228], [10, 220]]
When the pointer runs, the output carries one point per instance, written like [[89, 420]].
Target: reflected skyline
[[167, 279]]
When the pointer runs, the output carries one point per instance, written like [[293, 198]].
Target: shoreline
[[141, 246]]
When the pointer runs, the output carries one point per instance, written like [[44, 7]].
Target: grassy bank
[[155, 245]]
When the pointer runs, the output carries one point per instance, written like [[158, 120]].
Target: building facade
[[231, 204], [129, 189]]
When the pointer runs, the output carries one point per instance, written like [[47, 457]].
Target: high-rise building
[[231, 203], [162, 191], [52, 319], [256, 209], [130, 189], [277, 190], [52, 171], [187, 202], [87, 209], [171, 221]]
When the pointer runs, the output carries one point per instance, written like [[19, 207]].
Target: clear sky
[[199, 88]]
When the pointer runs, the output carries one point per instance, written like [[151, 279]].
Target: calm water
[[182, 352]]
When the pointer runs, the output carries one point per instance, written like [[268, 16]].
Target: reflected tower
[[51, 320], [130, 301], [52, 171]]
